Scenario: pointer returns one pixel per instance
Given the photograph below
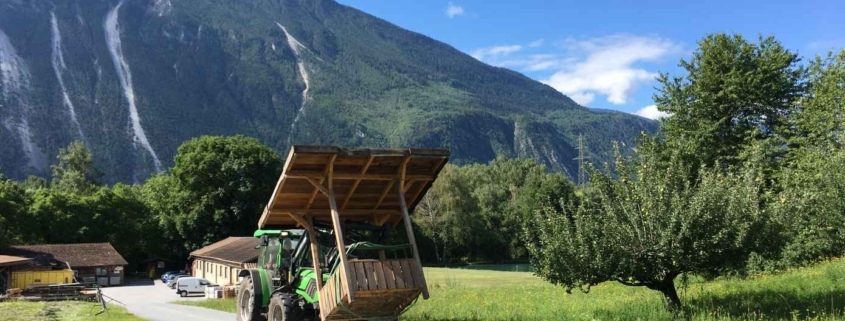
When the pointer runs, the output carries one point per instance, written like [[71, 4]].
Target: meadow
[[812, 293], [61, 311]]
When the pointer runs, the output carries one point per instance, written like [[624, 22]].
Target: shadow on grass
[[770, 304]]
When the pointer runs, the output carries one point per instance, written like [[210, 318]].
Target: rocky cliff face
[[133, 79]]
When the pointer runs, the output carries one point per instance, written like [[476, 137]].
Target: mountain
[[134, 79]]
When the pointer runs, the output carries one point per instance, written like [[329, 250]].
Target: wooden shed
[[90, 262]]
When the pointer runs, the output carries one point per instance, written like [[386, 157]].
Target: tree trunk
[[670, 294], [666, 287], [673, 302]]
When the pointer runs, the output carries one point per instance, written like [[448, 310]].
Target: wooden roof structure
[[235, 250], [75, 255], [6, 260], [364, 183]]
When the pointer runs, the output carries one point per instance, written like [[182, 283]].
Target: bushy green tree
[[217, 188], [75, 171], [440, 215], [13, 206], [811, 208], [476, 212], [649, 226], [733, 93], [819, 122]]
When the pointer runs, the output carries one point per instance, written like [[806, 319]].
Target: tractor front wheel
[[248, 308], [280, 309]]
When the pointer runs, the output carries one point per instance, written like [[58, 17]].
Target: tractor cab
[[275, 252]]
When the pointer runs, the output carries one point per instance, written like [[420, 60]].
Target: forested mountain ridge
[[134, 79]]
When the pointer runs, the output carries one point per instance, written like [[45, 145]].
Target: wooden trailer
[[372, 186]]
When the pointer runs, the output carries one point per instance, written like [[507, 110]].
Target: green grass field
[[61, 311], [815, 293], [227, 305]]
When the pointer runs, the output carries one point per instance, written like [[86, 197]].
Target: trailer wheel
[[248, 308], [281, 309]]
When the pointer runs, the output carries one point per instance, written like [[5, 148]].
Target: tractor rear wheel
[[248, 308]]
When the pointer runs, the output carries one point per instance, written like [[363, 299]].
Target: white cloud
[[607, 66], [830, 44], [651, 112], [584, 69], [494, 52], [536, 43], [453, 10]]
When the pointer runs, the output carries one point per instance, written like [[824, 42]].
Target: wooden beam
[[300, 219], [352, 212], [399, 171], [355, 176], [408, 228], [409, 184], [383, 219], [315, 253], [318, 186], [357, 181], [325, 170], [338, 233], [383, 194], [288, 163]]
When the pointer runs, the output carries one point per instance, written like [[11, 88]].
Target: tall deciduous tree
[[733, 93], [75, 171], [649, 226], [820, 122], [217, 188], [13, 206]]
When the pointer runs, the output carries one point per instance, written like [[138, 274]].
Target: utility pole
[[582, 177]]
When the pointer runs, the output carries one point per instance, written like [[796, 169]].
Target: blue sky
[[605, 53]]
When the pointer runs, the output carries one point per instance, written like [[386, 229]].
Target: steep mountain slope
[[136, 78]]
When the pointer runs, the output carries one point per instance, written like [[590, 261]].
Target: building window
[[102, 272]]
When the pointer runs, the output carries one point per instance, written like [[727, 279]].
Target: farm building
[[89, 262], [220, 262], [156, 266], [9, 264]]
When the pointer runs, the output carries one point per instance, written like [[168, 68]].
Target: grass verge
[[61, 311], [813, 293], [227, 305]]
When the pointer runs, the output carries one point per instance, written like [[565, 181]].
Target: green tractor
[[335, 239]]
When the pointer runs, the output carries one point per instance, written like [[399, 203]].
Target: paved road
[[151, 301]]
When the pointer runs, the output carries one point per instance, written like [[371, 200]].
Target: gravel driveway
[[150, 301]]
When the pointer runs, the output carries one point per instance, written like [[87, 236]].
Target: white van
[[188, 285]]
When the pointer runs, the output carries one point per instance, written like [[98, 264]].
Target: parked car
[[188, 285], [171, 282], [166, 275]]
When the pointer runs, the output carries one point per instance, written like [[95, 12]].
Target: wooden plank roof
[[233, 249], [6, 260], [363, 184], [76, 255]]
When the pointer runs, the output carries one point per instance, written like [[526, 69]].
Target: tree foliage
[[75, 171], [819, 124], [475, 212], [217, 187], [733, 92], [649, 226]]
